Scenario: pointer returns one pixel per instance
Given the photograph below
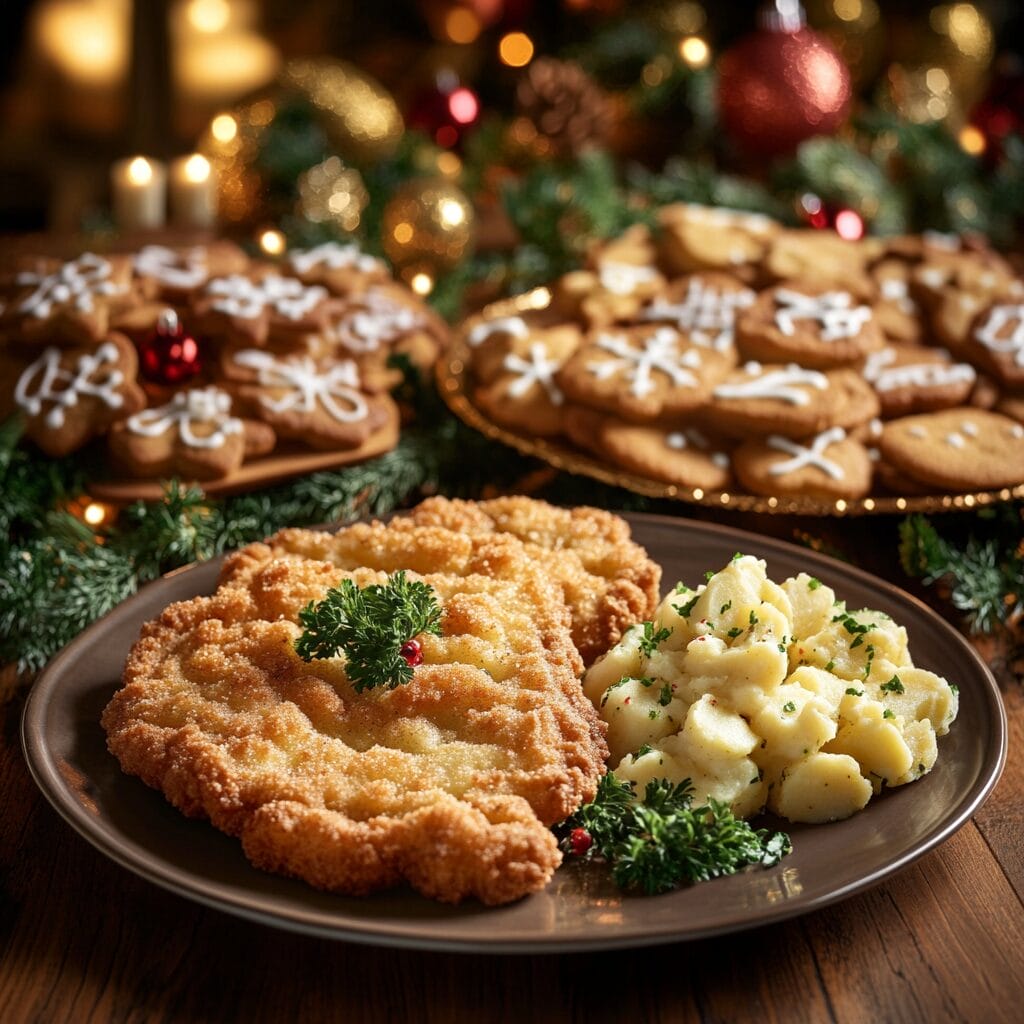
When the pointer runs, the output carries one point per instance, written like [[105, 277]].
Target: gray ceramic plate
[[580, 909]]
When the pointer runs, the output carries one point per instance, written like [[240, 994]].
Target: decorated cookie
[[915, 378], [170, 275], [684, 456], [642, 373], [896, 312], [996, 342], [695, 238], [790, 400], [321, 404], [70, 395], [979, 273], [828, 465], [822, 260], [612, 291], [342, 268], [703, 308], [68, 302], [961, 449], [194, 436], [819, 329], [520, 392]]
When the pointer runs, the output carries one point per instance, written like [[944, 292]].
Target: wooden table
[[84, 940]]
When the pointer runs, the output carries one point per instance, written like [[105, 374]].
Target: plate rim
[[45, 774]]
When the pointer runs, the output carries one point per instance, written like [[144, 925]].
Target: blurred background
[[539, 124]]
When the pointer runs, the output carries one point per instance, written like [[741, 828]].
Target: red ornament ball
[[779, 86], [580, 840], [169, 355], [412, 651], [445, 109]]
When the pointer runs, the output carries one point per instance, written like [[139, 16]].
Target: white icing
[[512, 325], [538, 369], [707, 316], [185, 269], [779, 384], [47, 383], [679, 440], [660, 352], [186, 409], [955, 440], [802, 456], [379, 320], [885, 377], [969, 428], [1016, 431], [875, 427], [242, 297], [720, 459], [874, 455], [305, 387], [916, 431], [998, 319], [75, 283], [726, 217], [835, 311], [895, 290], [333, 256], [933, 277], [624, 278], [942, 240]]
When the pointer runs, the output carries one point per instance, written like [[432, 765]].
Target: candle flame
[[140, 171], [197, 168]]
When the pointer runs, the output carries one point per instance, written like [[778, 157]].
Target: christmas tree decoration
[[169, 355], [359, 116], [781, 84], [998, 116], [845, 222], [856, 29], [427, 228], [564, 106], [331, 193], [445, 109], [231, 143]]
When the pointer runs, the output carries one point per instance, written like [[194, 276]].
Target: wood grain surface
[[82, 940]]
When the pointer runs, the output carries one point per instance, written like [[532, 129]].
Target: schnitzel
[[606, 579], [448, 783]]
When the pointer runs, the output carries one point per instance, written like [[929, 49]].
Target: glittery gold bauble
[[856, 29], [359, 115], [427, 226], [331, 193]]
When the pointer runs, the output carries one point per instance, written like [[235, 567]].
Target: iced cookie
[[320, 403], [789, 400], [800, 323], [642, 373], [915, 378], [611, 292], [342, 268], [693, 238], [895, 310], [70, 395], [68, 302], [703, 308], [194, 436], [957, 449], [823, 260], [174, 275], [829, 465], [996, 343]]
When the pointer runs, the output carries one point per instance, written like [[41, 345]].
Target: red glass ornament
[[169, 355], [782, 84], [445, 109], [412, 651], [580, 840]]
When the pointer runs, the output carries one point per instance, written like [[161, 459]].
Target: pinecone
[[564, 105]]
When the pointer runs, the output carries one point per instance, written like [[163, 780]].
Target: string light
[[515, 49], [463, 105], [224, 128], [461, 25], [972, 140], [272, 242], [695, 52], [422, 283]]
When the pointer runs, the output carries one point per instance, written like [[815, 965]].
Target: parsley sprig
[[662, 842], [369, 626]]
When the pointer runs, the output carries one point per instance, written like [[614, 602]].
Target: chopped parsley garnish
[[665, 697], [652, 638], [681, 588], [789, 707], [893, 686], [685, 609], [852, 691], [653, 714], [737, 556], [753, 617], [614, 686], [887, 713], [831, 665], [782, 648], [813, 584], [725, 607], [734, 632], [954, 688], [646, 748], [708, 575]]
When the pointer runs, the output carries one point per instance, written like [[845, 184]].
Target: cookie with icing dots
[[703, 308], [520, 390], [70, 395], [809, 325], [829, 465], [962, 449], [195, 436], [68, 302], [788, 399], [895, 309], [916, 378], [341, 267], [996, 342], [321, 403], [680, 455]]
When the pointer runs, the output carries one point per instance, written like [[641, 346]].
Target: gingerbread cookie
[[342, 268], [829, 465], [170, 275], [703, 308], [68, 302], [193, 436], [801, 323], [319, 403], [956, 450], [996, 342], [913, 378], [822, 261], [70, 395], [611, 293], [693, 238], [789, 400], [896, 312], [642, 373]]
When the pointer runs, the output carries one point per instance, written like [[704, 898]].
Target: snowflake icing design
[[835, 311], [242, 297], [379, 321], [707, 316], [660, 352], [75, 283], [183, 412], [990, 332], [47, 383], [538, 369], [333, 256]]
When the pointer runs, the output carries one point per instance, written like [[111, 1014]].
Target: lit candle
[[139, 188], [193, 192]]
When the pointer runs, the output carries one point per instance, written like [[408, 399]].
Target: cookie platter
[[723, 360], [202, 364]]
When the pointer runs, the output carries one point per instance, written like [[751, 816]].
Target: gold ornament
[[331, 193], [427, 228], [359, 115]]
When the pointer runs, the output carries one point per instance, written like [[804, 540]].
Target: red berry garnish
[[580, 840], [412, 651]]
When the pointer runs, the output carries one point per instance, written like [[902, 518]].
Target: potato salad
[[770, 696]]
